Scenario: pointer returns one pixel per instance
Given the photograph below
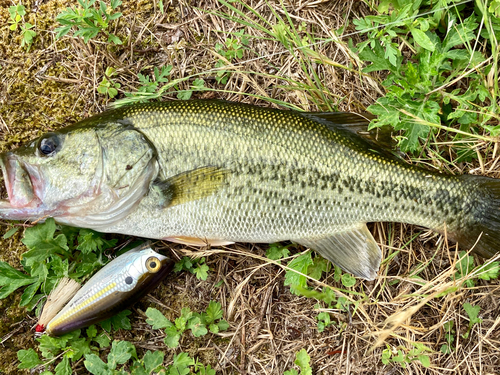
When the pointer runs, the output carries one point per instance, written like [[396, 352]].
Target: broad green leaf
[[172, 337], [422, 39], [489, 271], [376, 57], [201, 272], [348, 280], [197, 327], [319, 266], [223, 325], [276, 252], [96, 366], [41, 242], [302, 360], [424, 360], [156, 319], [29, 293], [12, 279], [28, 358], [472, 312], [103, 340], [64, 367], [119, 321], [214, 312], [152, 360], [121, 352], [301, 263], [182, 361]]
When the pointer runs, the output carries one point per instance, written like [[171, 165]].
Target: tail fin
[[482, 231]]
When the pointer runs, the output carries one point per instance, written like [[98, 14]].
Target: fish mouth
[[17, 195]]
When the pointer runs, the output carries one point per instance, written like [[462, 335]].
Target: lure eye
[[153, 264], [48, 145]]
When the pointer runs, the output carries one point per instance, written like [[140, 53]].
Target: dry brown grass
[[55, 83]]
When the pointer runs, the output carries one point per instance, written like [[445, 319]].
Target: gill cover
[[115, 287]]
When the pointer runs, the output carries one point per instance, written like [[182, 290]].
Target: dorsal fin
[[356, 127]]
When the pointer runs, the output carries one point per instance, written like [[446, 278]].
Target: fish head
[[77, 172]]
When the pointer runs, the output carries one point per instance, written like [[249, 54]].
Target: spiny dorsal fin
[[379, 138], [192, 185], [354, 250]]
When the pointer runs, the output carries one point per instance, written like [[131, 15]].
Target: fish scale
[[221, 172]]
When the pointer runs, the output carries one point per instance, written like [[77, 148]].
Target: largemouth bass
[[214, 172]]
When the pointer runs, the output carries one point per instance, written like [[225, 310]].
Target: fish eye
[[153, 264], [48, 145]]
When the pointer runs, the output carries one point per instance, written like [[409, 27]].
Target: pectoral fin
[[354, 250], [192, 185]]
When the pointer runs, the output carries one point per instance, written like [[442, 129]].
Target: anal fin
[[354, 250]]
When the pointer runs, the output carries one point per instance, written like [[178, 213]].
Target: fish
[[211, 172], [116, 286]]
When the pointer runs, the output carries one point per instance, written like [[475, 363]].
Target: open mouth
[[17, 197]]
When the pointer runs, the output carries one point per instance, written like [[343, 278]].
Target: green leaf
[[184, 95], [201, 272], [489, 271], [197, 327], [12, 279], [78, 348], [121, 352], [91, 331], [205, 370], [90, 241], [10, 232], [223, 325], [302, 360], [182, 361], [301, 263], [214, 328], [96, 366], [112, 38], [465, 264], [424, 360], [153, 360], [277, 251], [103, 340], [376, 57], [172, 337], [119, 321], [319, 266], [185, 264], [156, 319], [348, 280], [214, 312], [64, 367], [29, 293], [422, 39], [41, 242], [28, 358], [472, 312]]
